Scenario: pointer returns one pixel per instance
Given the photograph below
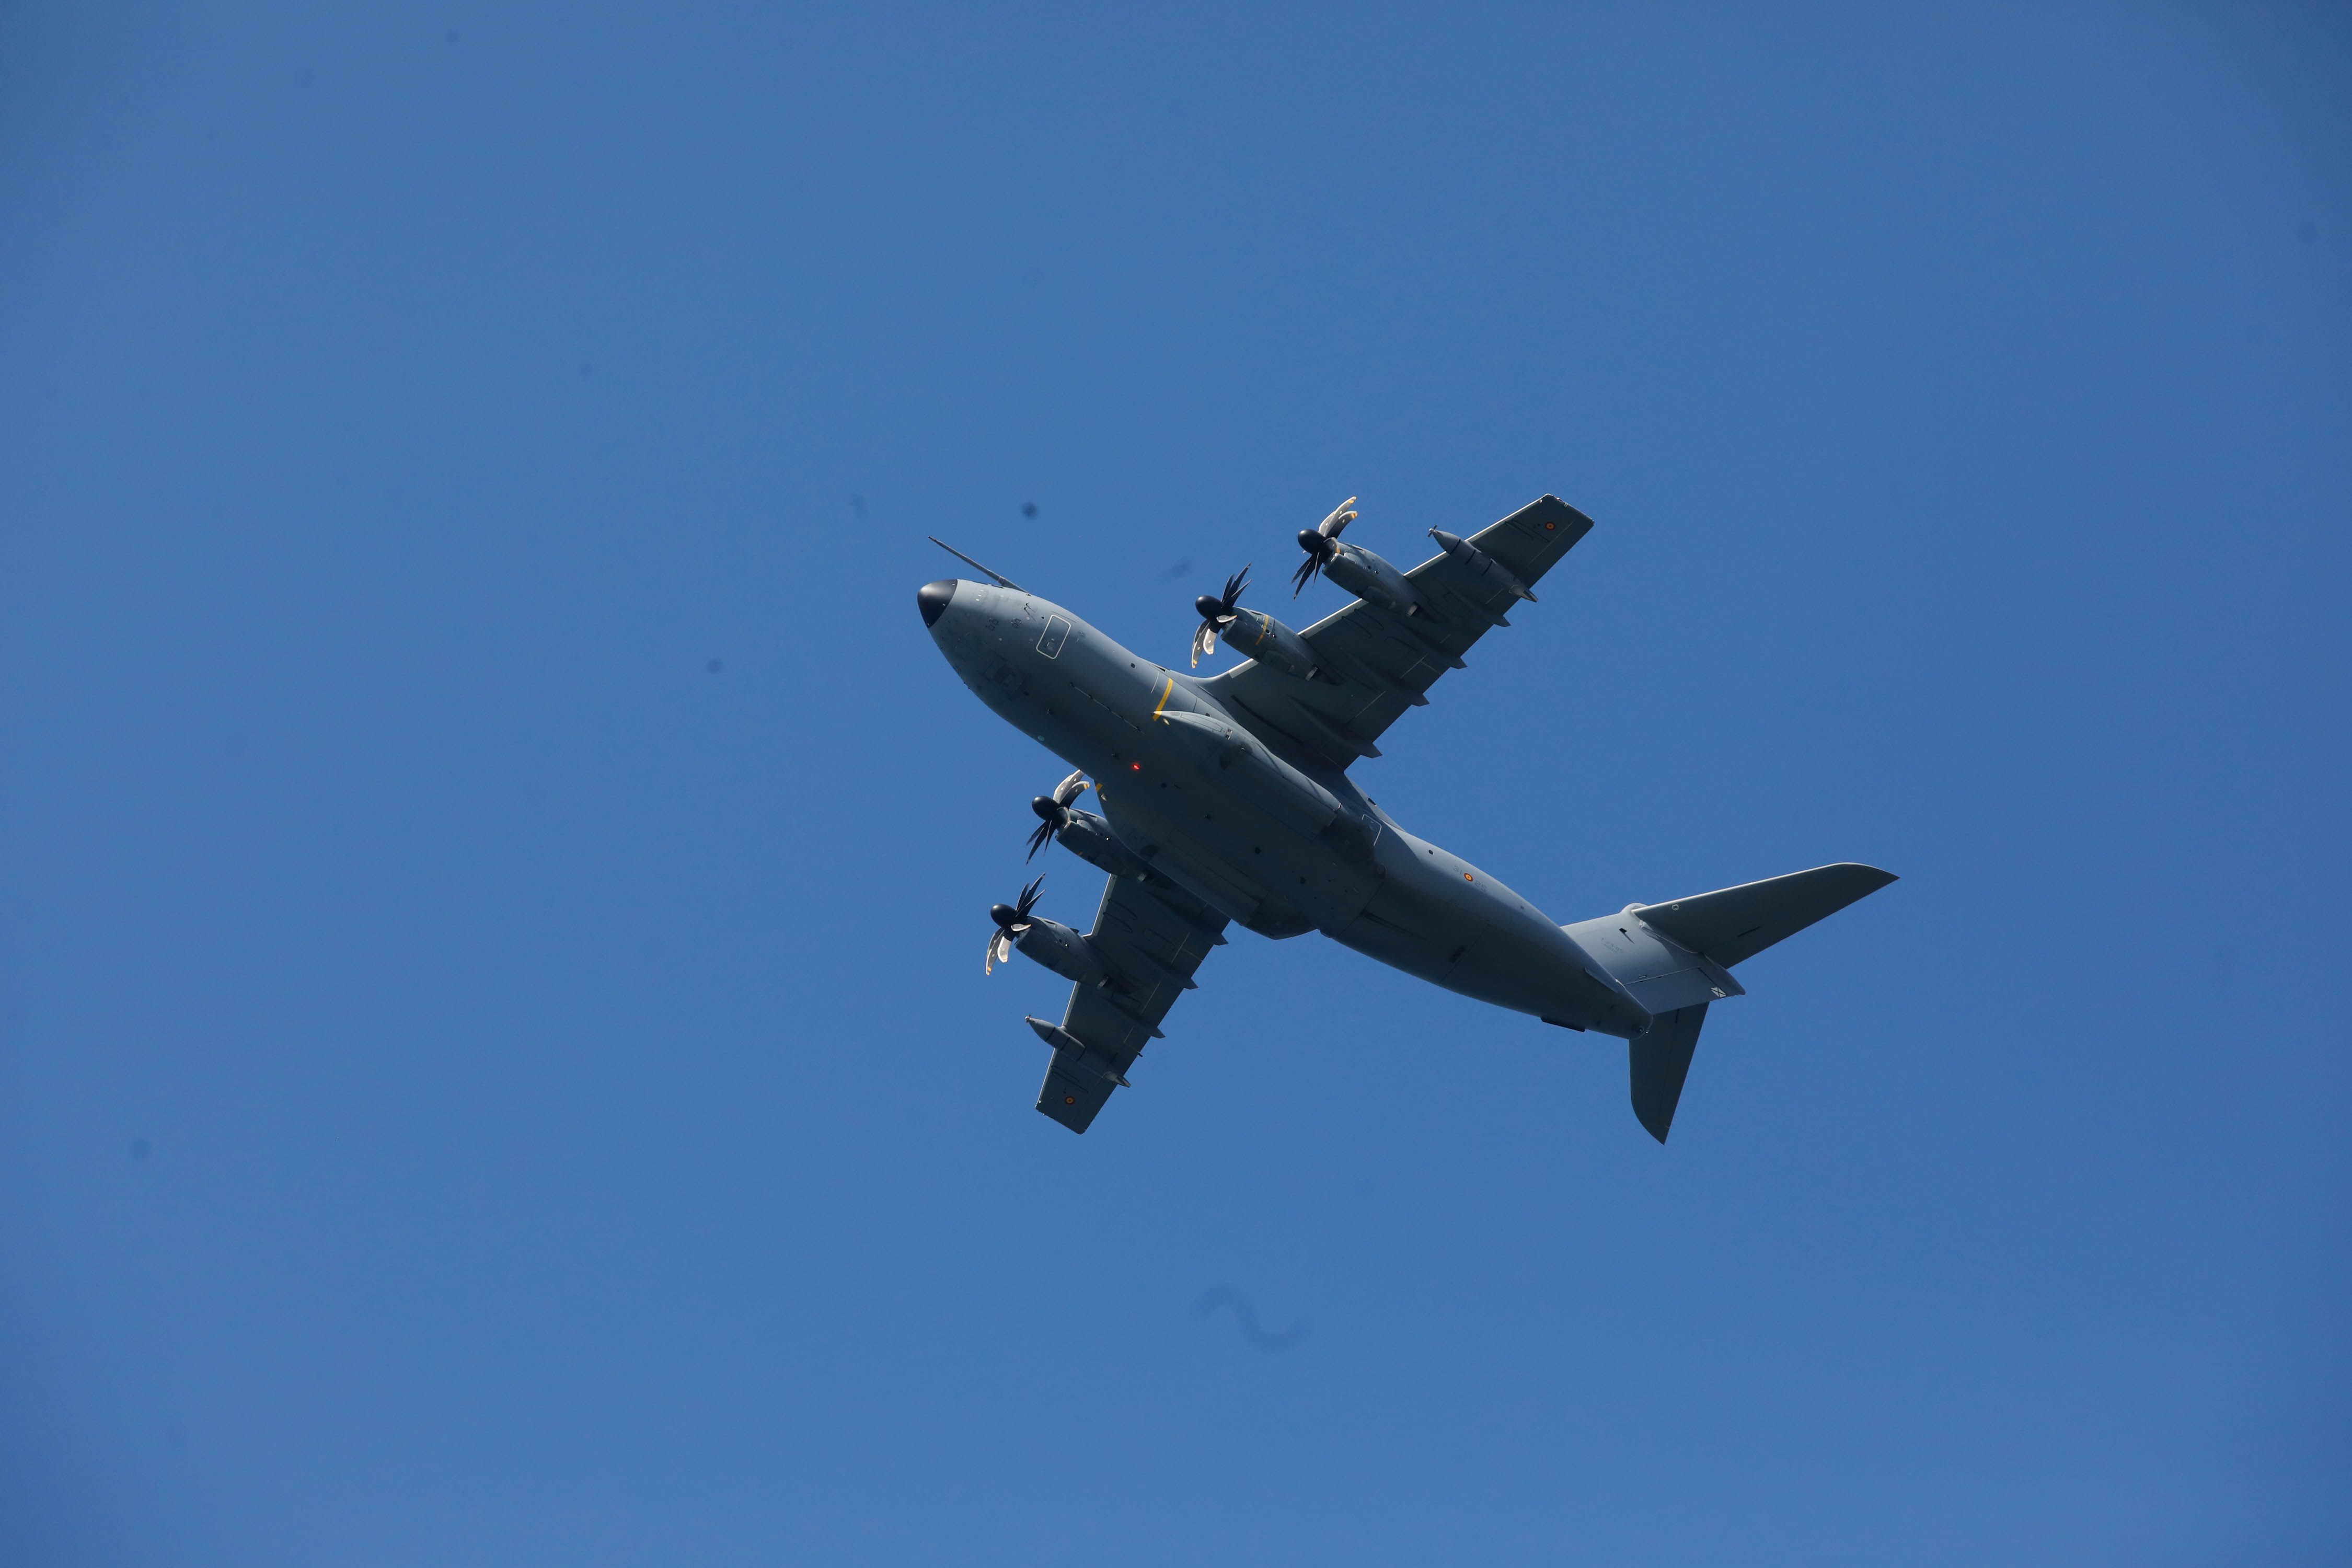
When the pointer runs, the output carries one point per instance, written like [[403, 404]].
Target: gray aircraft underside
[[1227, 798]]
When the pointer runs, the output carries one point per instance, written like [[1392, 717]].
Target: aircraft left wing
[[1384, 663], [1152, 935]]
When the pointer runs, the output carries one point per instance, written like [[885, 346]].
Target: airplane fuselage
[[1280, 844]]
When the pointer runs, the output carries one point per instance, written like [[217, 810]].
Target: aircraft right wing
[[1152, 934], [1385, 663]]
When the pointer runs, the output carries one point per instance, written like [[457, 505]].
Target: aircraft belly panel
[[1261, 872], [1441, 918], [1528, 968], [1405, 927], [1377, 937]]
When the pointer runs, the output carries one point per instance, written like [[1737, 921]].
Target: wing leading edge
[[1384, 662], [1152, 935]]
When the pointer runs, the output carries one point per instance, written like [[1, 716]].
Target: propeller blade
[[1305, 574], [1054, 812], [1340, 518], [1217, 611], [1010, 921]]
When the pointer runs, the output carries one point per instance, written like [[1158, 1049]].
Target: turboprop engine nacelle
[[1089, 838], [1367, 576], [1258, 636], [1064, 952]]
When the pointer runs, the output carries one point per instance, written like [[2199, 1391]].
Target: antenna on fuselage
[[999, 578]]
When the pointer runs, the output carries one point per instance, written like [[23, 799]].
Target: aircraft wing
[[1152, 935], [1386, 662]]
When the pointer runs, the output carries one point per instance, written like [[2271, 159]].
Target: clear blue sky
[[481, 1085]]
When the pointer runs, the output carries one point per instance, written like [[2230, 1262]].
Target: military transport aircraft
[[1227, 799]]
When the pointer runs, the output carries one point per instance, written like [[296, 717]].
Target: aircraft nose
[[933, 597]]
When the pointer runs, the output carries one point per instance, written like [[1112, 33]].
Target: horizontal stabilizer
[[1737, 923]]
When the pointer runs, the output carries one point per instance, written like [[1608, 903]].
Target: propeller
[[1010, 920], [1054, 810], [1321, 543], [1217, 614]]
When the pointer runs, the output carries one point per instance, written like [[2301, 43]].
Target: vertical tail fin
[[1660, 1058]]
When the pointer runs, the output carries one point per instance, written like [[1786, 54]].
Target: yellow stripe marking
[[1165, 695]]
